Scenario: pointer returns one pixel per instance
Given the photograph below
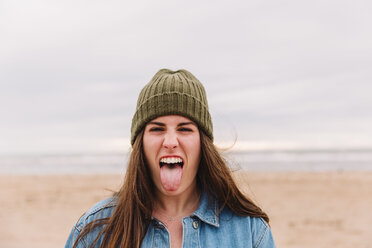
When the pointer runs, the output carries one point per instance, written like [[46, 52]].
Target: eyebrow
[[157, 123], [186, 123], [179, 125]]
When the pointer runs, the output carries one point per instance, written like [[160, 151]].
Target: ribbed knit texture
[[172, 93]]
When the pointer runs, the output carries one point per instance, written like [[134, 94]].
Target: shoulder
[[102, 209], [261, 233], [255, 227]]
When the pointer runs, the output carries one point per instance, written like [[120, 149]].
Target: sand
[[328, 209]]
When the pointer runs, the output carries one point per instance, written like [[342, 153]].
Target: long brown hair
[[130, 220]]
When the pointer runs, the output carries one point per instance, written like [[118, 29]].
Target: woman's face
[[172, 149]]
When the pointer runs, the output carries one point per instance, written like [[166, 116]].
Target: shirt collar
[[207, 212]]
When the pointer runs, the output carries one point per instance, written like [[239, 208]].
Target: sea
[[261, 161]]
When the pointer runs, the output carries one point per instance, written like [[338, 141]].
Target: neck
[[178, 205]]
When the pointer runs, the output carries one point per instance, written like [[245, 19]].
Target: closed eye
[[184, 129], [156, 129]]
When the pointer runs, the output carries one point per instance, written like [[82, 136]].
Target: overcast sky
[[278, 74]]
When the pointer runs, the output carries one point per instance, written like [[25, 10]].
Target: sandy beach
[[327, 209]]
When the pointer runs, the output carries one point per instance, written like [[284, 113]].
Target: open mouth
[[171, 169], [171, 162]]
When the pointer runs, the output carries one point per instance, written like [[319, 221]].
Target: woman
[[178, 190]]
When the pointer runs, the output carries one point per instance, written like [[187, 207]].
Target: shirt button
[[195, 224]]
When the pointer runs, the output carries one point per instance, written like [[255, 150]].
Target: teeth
[[171, 160]]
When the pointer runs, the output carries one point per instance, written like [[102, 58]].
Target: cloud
[[287, 72]]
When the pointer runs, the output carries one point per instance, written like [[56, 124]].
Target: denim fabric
[[202, 229]]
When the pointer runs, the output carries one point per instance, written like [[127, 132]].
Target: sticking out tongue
[[170, 176]]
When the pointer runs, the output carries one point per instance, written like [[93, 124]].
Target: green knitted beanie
[[172, 93]]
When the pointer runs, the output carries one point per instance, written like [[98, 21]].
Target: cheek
[[145, 147], [147, 150], [194, 151], [198, 148]]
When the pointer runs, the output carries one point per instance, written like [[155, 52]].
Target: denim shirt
[[201, 229]]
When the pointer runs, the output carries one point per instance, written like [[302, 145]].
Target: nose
[[170, 140]]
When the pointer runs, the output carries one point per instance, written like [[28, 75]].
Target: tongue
[[171, 177]]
